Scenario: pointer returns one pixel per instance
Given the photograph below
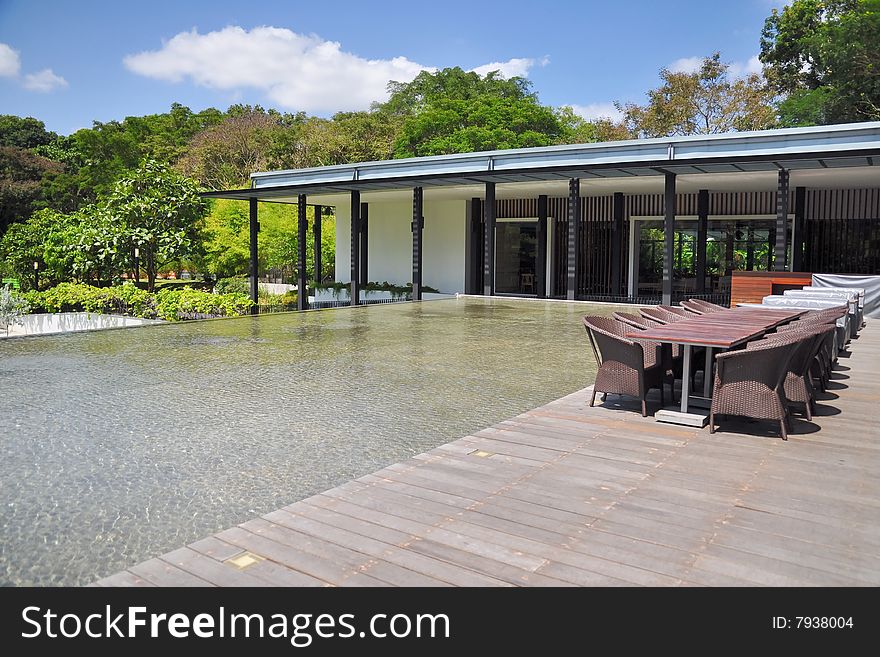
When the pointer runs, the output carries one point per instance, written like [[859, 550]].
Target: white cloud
[[518, 66], [741, 70], [686, 65], [296, 71], [9, 62], [44, 81], [594, 111], [737, 69]]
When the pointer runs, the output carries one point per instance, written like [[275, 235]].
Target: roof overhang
[[824, 147]]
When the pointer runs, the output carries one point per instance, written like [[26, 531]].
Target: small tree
[[704, 102], [160, 212], [12, 308]]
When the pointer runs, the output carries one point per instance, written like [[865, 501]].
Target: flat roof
[[816, 147]]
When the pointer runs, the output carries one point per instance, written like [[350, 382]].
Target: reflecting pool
[[117, 446]]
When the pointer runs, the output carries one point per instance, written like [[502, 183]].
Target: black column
[[364, 240], [489, 240], [702, 239], [254, 262], [619, 209], [574, 234], [800, 204], [302, 293], [317, 232], [781, 221], [418, 225], [355, 251], [541, 259], [474, 266], [668, 236]]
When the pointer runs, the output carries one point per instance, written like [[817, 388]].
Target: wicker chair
[[798, 385], [676, 310], [694, 308], [658, 314], [671, 352], [708, 305], [749, 382], [626, 367]]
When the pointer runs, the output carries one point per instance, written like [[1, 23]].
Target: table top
[[723, 329]]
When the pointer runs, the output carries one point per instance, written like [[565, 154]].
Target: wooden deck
[[568, 495]]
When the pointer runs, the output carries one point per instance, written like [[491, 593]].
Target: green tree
[[47, 238], [823, 57], [23, 132], [226, 246], [21, 173], [453, 111], [159, 212], [707, 101], [577, 130], [224, 155]]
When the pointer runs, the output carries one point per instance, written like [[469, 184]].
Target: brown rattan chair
[[694, 308], [798, 385], [658, 314], [708, 305], [676, 310], [749, 383], [626, 367]]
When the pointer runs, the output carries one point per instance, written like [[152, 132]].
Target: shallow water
[[117, 446]]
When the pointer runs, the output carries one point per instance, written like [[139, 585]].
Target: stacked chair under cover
[[626, 367], [749, 383]]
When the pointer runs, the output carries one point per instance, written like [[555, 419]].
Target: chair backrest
[[807, 342], [766, 364], [636, 321], [658, 314], [708, 305], [675, 310], [693, 308]]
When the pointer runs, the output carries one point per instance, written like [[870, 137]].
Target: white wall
[[390, 243]]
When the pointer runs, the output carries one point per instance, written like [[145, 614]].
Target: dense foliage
[[171, 304], [707, 101], [823, 58]]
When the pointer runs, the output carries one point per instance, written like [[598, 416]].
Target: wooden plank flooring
[[568, 495]]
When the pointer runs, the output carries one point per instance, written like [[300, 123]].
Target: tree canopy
[[823, 58], [707, 101]]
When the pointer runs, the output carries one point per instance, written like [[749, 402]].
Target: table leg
[[707, 374], [685, 378]]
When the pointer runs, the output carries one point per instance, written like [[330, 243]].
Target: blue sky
[[69, 63]]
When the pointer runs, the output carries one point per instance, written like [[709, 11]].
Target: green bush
[[171, 303], [235, 284], [186, 303]]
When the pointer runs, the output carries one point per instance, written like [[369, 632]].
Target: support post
[[418, 225], [489, 240], [302, 287], [702, 239], [355, 251], [779, 263], [474, 261], [541, 259], [254, 262], [800, 206], [574, 225], [617, 244], [316, 229], [668, 237], [364, 241]]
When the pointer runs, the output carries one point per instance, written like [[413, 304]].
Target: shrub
[[235, 284], [12, 307], [186, 303], [172, 303]]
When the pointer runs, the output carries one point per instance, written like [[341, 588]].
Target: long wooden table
[[719, 330]]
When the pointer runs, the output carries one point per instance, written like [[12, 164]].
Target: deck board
[[571, 495]]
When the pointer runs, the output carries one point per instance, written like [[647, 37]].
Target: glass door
[[516, 252]]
